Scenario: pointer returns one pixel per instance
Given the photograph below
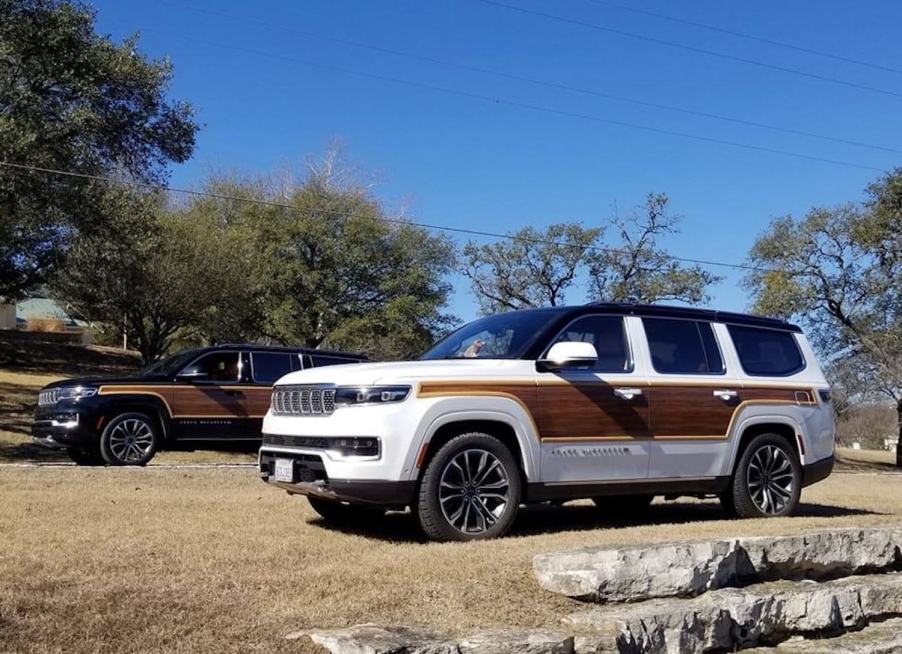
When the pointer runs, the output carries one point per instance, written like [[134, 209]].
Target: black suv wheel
[[129, 439], [470, 489], [767, 481]]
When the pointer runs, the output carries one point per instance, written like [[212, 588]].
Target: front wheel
[[470, 490], [130, 439], [767, 481]]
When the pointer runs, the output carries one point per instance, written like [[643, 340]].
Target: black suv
[[214, 394]]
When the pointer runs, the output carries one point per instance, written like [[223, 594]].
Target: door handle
[[627, 393], [726, 395]]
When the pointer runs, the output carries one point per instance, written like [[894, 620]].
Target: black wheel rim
[[771, 480], [474, 491]]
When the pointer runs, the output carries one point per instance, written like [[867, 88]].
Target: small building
[[40, 313]]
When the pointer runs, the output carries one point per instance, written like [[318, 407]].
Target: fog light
[[65, 420], [355, 446]]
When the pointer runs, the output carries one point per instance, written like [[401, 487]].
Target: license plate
[[285, 470]]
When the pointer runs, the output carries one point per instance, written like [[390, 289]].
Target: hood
[[98, 381], [399, 371]]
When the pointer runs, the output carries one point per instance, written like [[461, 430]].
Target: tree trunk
[[899, 433]]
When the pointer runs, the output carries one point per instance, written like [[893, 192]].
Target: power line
[[691, 48], [393, 221], [515, 103], [519, 78], [746, 35]]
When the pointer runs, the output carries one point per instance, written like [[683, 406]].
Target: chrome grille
[[48, 397], [303, 401]]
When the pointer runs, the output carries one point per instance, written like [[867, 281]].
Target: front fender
[[445, 411]]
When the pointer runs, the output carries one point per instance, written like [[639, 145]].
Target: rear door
[[594, 424], [692, 398], [208, 401]]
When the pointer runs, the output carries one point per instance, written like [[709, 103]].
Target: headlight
[[351, 395], [76, 392]]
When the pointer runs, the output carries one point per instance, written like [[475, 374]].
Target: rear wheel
[[85, 457], [129, 439], [767, 481], [470, 490]]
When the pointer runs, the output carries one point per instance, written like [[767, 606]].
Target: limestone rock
[[740, 617], [374, 639], [508, 641], [880, 638], [688, 569]]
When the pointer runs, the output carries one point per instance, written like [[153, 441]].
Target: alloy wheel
[[131, 440], [770, 479], [474, 491]]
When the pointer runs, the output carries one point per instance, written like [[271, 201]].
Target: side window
[[320, 360], [217, 367], [269, 366], [608, 335], [686, 347], [766, 352]]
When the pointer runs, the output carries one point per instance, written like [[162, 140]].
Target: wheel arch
[[499, 425], [784, 426], [152, 406]]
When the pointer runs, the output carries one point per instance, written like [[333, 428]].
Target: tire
[[345, 514], [767, 481], [85, 457], [624, 506], [470, 490], [129, 439]]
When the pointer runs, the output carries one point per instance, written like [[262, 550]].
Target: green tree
[[73, 100], [637, 269], [531, 269], [839, 272], [164, 275], [331, 269], [535, 268]]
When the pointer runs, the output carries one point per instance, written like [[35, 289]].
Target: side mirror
[[568, 354], [191, 375]]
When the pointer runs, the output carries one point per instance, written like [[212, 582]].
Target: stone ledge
[[692, 568], [375, 639], [880, 638], [732, 618]]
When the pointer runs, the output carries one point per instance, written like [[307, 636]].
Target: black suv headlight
[[352, 395]]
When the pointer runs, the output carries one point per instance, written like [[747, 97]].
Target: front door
[[208, 401], [594, 424]]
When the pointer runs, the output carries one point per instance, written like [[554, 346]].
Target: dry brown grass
[[196, 560]]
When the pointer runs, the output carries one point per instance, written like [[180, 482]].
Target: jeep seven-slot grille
[[303, 401], [48, 397]]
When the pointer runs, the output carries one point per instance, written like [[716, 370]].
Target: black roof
[[243, 347], [666, 311]]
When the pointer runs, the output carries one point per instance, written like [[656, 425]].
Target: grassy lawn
[[127, 560]]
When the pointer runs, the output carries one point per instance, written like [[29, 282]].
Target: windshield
[[503, 336], [170, 365]]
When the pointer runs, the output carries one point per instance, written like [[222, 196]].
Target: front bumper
[[63, 428], [311, 478]]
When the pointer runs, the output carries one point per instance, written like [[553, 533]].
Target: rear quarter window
[[766, 352]]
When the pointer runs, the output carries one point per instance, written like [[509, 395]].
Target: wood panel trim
[[486, 388]]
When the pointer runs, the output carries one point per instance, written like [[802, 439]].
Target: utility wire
[[392, 221], [545, 83], [745, 35], [691, 48], [497, 100]]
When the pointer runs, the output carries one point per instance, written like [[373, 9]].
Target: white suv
[[601, 401]]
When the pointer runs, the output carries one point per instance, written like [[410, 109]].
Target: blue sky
[[476, 164]]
